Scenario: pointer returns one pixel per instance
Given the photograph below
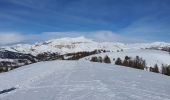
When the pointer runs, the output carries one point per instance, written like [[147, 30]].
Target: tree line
[[137, 63], [20, 59]]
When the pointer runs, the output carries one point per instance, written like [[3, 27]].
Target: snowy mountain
[[64, 48], [64, 45], [71, 45], [44, 79], [82, 80], [77, 48]]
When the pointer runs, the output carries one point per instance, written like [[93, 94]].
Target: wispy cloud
[[149, 28], [44, 11], [95, 35], [12, 17], [11, 37], [101, 36]]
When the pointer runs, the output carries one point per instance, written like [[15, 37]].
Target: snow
[[147, 45], [63, 46], [9, 60], [83, 80], [151, 57], [78, 44]]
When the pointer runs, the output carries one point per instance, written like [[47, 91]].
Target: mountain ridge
[[70, 45]]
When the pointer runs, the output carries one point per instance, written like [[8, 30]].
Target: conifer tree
[[107, 59], [156, 68], [118, 61]]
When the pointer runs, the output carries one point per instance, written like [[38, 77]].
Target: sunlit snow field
[[83, 80]]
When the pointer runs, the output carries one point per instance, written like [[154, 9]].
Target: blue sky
[[138, 20]]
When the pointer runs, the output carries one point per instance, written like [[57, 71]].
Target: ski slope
[[83, 80]]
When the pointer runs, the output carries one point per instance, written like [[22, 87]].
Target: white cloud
[[106, 36], [102, 36], [11, 38], [8, 38]]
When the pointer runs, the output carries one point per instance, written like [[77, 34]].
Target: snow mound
[[82, 80]]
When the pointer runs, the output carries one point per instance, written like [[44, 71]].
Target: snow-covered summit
[[78, 44], [65, 45], [81, 39]]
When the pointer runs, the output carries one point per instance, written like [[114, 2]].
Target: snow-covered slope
[[151, 57], [157, 45], [82, 80]]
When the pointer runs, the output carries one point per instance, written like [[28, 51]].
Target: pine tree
[[131, 63], [125, 63], [168, 70], [107, 59], [136, 62], [163, 69], [127, 58], [118, 61], [94, 59], [156, 69], [100, 59]]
